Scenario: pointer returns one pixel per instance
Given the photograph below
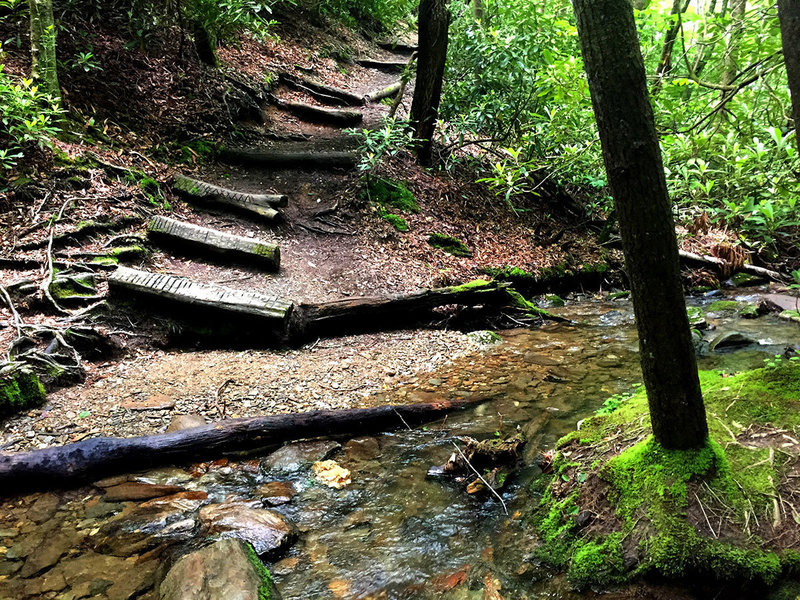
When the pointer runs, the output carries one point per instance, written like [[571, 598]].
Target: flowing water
[[394, 532]]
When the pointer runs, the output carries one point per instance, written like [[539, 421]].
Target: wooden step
[[327, 116], [382, 65], [180, 290], [286, 158], [262, 205], [203, 239], [397, 46]]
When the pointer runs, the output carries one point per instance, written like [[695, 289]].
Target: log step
[[302, 159], [401, 47], [190, 293], [320, 91], [327, 116], [262, 205], [207, 240], [387, 92], [382, 65]]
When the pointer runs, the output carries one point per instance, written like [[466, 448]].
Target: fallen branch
[[691, 257], [102, 456]]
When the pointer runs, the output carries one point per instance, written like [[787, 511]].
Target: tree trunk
[[665, 63], [206, 44], [731, 61], [434, 21], [43, 47], [632, 157], [789, 14], [103, 456]]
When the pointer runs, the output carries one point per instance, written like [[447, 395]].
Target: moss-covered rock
[[725, 306], [20, 389], [391, 193], [449, 244], [612, 513], [68, 286], [396, 221]]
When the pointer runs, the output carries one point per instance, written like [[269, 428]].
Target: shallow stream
[[393, 532]]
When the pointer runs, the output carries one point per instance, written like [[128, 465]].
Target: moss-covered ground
[[619, 506]]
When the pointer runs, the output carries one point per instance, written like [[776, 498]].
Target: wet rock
[[584, 518], [102, 509], [112, 481], [697, 318], [331, 473], [266, 530], [484, 338], [143, 528], [781, 302], [223, 570], [9, 567], [44, 508], [285, 566], [50, 582], [46, 554], [293, 457], [187, 501], [276, 493], [133, 582], [362, 448], [730, 340], [180, 422], [136, 490]]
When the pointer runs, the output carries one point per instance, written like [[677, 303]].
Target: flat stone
[[46, 554], [181, 422], [221, 571], [112, 481], [145, 527], [293, 457], [182, 501], [276, 493], [781, 302], [362, 448], [266, 530], [49, 582], [102, 509], [731, 339], [133, 582], [136, 490], [9, 567], [44, 508]]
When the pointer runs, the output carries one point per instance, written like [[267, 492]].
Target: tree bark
[[632, 157], [206, 45], [731, 60], [94, 458], [43, 47], [665, 63], [789, 15], [434, 22]]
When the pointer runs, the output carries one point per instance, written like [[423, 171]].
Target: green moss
[[267, 584], [67, 287], [790, 315], [696, 316], [617, 295], [724, 306], [20, 389], [449, 244], [520, 301], [398, 222], [509, 273], [651, 491], [392, 193], [555, 300], [475, 284], [105, 260], [749, 311], [266, 250]]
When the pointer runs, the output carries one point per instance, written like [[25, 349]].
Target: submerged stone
[[293, 457], [266, 530]]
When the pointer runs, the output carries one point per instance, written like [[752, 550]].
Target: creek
[[393, 532]]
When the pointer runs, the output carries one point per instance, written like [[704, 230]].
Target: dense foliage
[[515, 80]]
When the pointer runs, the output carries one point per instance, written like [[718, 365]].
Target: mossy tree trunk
[[632, 157], [434, 22], [789, 14], [43, 47]]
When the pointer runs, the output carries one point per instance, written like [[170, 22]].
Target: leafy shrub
[[28, 118], [392, 137]]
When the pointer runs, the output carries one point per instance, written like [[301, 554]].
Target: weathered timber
[[261, 205], [389, 91], [284, 158], [391, 311], [395, 46], [271, 310], [713, 261], [382, 65], [99, 457], [320, 91], [196, 238], [327, 116]]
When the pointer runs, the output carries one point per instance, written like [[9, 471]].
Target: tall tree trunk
[[43, 47], [665, 63], [702, 50], [789, 15], [434, 21], [206, 44], [731, 62], [632, 157]]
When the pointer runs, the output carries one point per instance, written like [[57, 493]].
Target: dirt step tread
[[204, 239], [207, 295]]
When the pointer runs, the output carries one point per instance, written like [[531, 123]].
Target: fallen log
[[326, 116], [391, 311], [99, 457], [262, 205], [713, 261], [382, 65], [303, 159], [210, 241], [320, 91], [389, 91]]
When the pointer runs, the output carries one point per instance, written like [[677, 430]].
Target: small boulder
[[362, 448], [266, 530], [226, 569], [276, 493], [181, 422], [730, 340], [293, 457]]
